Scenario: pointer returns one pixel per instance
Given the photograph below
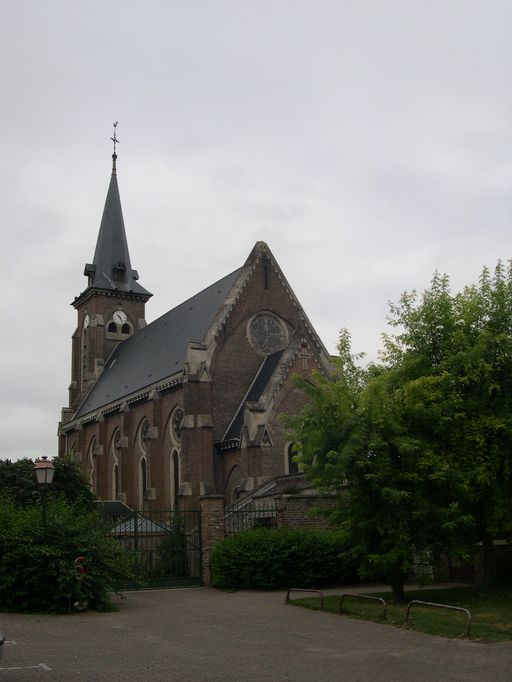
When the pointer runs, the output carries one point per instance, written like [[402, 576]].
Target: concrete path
[[203, 635]]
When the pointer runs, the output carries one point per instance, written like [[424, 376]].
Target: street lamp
[[44, 474]]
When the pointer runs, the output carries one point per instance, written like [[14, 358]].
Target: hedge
[[37, 571], [271, 558]]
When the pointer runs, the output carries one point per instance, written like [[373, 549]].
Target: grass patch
[[491, 611]]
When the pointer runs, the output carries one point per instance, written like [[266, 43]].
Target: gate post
[[212, 528]]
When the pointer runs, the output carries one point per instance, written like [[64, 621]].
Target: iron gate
[[250, 515], [163, 548]]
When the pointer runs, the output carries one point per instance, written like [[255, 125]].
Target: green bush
[[271, 558], [37, 571]]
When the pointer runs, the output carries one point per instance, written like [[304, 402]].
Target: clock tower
[[112, 307]]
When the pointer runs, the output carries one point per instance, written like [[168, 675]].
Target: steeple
[[111, 269]]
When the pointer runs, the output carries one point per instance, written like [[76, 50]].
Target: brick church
[[162, 414]]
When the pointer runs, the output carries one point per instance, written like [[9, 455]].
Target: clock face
[[119, 317], [267, 333], [87, 321]]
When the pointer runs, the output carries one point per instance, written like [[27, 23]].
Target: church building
[[190, 405]]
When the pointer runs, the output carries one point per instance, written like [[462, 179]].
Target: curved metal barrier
[[364, 596], [440, 606], [300, 589]]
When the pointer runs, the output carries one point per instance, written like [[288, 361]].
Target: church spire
[[111, 269]]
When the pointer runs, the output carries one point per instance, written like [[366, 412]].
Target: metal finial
[[114, 139], [114, 155]]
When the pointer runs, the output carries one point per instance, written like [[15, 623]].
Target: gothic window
[[117, 438], [143, 479], [115, 482], [292, 466], [112, 328], [125, 329], [73, 454], [232, 486], [144, 435], [175, 425], [114, 466], [91, 465], [175, 479]]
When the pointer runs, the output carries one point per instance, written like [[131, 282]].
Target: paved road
[[203, 635]]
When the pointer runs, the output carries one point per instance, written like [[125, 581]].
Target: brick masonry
[[212, 529], [295, 511]]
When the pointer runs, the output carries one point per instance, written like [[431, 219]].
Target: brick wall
[[236, 362], [302, 512], [212, 529]]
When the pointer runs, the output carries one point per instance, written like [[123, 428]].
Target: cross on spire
[[114, 139], [114, 155]]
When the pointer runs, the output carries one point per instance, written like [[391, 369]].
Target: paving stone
[[204, 635]]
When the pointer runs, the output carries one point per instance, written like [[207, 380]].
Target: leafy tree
[[18, 481], [356, 437], [464, 343], [422, 442]]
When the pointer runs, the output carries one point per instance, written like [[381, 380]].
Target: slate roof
[[138, 524], [257, 387], [262, 498], [157, 351], [112, 250]]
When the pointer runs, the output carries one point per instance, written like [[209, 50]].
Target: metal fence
[[163, 548], [256, 514]]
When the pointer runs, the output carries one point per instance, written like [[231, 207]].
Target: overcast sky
[[367, 142]]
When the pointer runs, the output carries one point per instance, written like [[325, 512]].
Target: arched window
[[144, 434], [143, 479], [114, 466], [175, 479], [293, 467], [119, 325], [73, 454], [91, 468], [232, 485], [115, 482]]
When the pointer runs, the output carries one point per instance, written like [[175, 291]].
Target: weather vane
[[114, 139]]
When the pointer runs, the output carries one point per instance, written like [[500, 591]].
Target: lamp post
[[44, 474]]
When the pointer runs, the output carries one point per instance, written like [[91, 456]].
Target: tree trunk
[[489, 564], [397, 585]]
